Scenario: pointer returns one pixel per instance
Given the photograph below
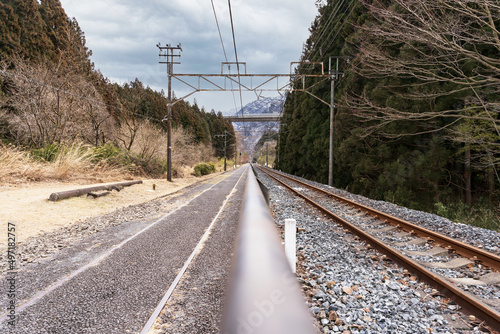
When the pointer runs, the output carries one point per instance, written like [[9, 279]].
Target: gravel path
[[110, 280], [354, 290], [197, 303]]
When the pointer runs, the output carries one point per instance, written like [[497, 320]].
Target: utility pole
[[334, 75], [278, 151], [170, 53], [267, 155], [332, 129], [235, 154], [225, 149], [225, 145]]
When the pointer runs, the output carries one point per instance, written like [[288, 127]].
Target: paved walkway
[[112, 281]]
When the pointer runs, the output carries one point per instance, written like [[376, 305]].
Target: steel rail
[[264, 296], [476, 254], [468, 303]]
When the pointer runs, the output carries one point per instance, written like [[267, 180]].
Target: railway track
[[425, 253]]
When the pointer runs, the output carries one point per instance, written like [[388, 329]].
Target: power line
[[224, 50], [319, 34], [353, 5], [320, 41], [218, 28], [327, 31], [236, 56]]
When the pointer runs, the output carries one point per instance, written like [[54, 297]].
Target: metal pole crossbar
[[251, 87], [258, 88]]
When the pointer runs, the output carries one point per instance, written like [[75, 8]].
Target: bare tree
[[149, 141], [96, 123], [436, 48], [34, 106], [127, 133], [48, 104], [129, 114]]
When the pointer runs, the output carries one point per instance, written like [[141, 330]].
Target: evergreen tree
[[419, 102]]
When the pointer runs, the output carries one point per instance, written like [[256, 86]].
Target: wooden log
[[93, 195], [79, 192]]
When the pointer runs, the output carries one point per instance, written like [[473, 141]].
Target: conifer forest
[[417, 104]]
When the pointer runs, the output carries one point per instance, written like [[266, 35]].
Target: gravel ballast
[[351, 289], [486, 239]]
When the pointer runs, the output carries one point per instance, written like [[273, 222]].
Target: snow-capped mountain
[[263, 106], [252, 131]]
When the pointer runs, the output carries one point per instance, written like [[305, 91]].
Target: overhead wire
[[320, 34], [319, 41], [218, 28], [237, 62], [319, 38], [224, 50], [351, 7], [326, 33]]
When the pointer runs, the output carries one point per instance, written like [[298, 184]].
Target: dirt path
[[26, 204]]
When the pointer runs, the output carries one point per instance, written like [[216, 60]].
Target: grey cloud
[[123, 35]]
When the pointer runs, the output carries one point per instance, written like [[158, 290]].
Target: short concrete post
[[290, 240]]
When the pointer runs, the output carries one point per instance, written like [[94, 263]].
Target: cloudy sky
[[123, 35]]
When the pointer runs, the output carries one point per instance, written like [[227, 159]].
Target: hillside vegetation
[[417, 105], [52, 97]]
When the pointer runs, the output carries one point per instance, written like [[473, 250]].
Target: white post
[[290, 240]]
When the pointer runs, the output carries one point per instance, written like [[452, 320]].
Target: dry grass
[[151, 143], [15, 163], [75, 158], [72, 163], [184, 171]]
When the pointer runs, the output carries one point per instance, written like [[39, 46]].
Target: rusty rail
[[476, 254], [264, 295], [469, 304]]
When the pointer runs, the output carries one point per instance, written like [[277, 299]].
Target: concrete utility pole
[[225, 149], [278, 151], [332, 131], [334, 75], [225, 145], [267, 155], [170, 53]]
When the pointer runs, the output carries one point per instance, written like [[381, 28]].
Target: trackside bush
[[204, 168], [48, 153], [109, 152]]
